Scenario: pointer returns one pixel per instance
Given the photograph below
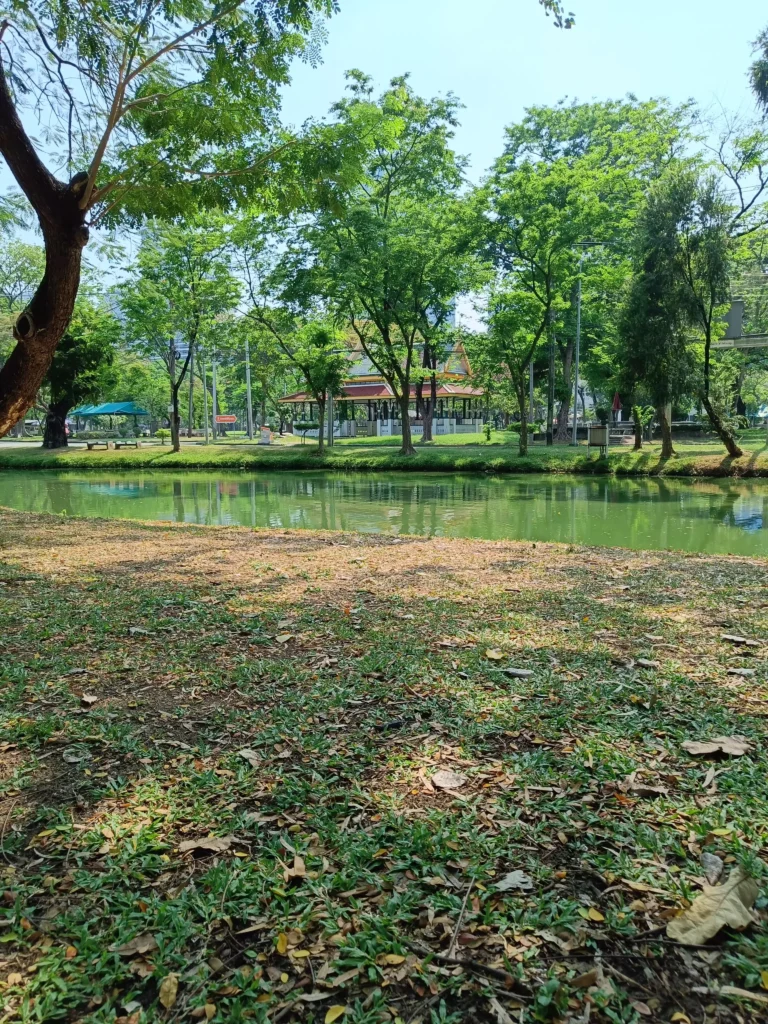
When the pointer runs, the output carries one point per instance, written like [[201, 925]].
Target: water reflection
[[709, 516]]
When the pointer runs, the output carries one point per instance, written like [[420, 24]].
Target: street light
[[575, 437]]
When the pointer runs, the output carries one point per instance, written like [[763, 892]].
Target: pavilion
[[367, 406], [85, 412]]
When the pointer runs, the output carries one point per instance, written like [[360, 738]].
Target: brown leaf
[[213, 844], [736, 746], [585, 980], [494, 654], [144, 943], [169, 986], [642, 1008], [87, 699], [250, 756], [447, 779], [515, 880], [742, 641], [718, 906]]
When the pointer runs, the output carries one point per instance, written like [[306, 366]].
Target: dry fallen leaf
[[645, 663], [518, 673], [741, 640], [494, 654], [447, 779], [733, 745], [585, 980], [334, 1012], [713, 867], [209, 1010], [144, 943], [718, 906], [87, 699], [743, 993], [213, 844], [283, 638], [501, 1015], [250, 756], [642, 1008], [514, 880], [169, 986], [282, 944], [71, 952], [14, 978]]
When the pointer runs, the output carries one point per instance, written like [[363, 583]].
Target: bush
[[602, 415], [163, 433], [308, 425], [96, 435]]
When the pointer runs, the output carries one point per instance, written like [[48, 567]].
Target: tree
[[390, 262], [515, 327], [158, 109], [180, 287], [655, 349], [582, 166], [759, 70], [81, 370]]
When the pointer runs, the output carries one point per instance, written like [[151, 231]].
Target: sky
[[501, 56]]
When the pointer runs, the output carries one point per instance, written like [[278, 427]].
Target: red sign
[[226, 419]]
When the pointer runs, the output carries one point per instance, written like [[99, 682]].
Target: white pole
[[575, 439], [330, 420], [248, 397], [205, 395], [215, 407]]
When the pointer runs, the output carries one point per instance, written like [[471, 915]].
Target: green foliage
[[168, 107], [81, 370], [163, 433], [759, 70]]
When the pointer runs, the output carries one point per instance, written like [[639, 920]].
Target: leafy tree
[[180, 287], [390, 262], [759, 70], [653, 326], [81, 370], [157, 109], [574, 174]]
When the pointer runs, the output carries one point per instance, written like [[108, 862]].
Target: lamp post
[[248, 398], [584, 246]]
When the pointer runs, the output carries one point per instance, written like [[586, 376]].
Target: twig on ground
[[457, 929]]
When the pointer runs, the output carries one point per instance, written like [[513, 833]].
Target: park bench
[[130, 443]]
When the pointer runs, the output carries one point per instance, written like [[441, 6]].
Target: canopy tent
[[109, 409]]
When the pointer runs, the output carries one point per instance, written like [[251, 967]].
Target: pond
[[715, 516]]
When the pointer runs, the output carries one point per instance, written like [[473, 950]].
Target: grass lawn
[[703, 459], [224, 756]]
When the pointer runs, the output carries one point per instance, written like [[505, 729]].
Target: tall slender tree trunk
[[664, 413], [563, 416], [191, 410], [55, 433], [175, 419], [321, 416], [551, 392], [638, 428], [721, 429], [429, 414], [405, 402], [522, 406]]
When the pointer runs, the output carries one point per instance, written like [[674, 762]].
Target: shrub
[[163, 433]]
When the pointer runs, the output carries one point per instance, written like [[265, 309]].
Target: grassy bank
[[691, 460], [219, 758]]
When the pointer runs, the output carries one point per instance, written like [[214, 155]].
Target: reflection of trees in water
[[650, 512]]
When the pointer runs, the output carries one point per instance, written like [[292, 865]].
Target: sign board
[[265, 436], [226, 419]]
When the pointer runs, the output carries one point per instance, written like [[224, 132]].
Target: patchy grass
[[293, 694], [691, 460]]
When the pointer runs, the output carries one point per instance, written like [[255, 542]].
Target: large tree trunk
[[721, 429], [175, 418], [551, 393], [664, 413], [40, 327], [638, 428], [55, 434], [407, 446]]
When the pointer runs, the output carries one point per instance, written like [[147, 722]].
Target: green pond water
[[716, 516]]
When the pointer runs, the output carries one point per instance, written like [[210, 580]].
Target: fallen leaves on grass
[[494, 654], [250, 756], [515, 880], [447, 779], [334, 1012], [138, 946], [736, 746], [741, 641], [169, 988], [213, 844], [718, 906]]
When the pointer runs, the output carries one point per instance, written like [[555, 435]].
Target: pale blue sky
[[500, 56]]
